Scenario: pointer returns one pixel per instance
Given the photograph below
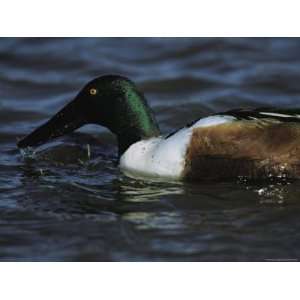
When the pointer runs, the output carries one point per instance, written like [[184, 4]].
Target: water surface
[[59, 204]]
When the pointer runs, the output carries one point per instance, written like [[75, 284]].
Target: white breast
[[160, 157]]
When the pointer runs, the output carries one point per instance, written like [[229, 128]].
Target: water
[[58, 203]]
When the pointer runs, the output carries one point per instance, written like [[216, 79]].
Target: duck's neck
[[131, 135], [136, 123]]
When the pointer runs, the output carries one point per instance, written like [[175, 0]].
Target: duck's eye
[[93, 91]]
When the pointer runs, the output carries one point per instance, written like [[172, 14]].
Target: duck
[[239, 143]]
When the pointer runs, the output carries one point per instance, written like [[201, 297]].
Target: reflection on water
[[67, 200]]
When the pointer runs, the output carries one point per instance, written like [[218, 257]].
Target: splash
[[273, 193], [88, 147], [28, 153]]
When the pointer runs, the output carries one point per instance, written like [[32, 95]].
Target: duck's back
[[257, 144]]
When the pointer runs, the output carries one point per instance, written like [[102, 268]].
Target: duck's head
[[110, 101]]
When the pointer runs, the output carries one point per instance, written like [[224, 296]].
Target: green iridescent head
[[110, 101]]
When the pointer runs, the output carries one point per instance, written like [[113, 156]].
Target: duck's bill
[[65, 121]]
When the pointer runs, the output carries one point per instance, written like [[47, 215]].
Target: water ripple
[[61, 203]]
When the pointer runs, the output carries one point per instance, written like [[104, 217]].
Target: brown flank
[[252, 149]]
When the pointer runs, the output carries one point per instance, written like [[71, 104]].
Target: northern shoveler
[[255, 144]]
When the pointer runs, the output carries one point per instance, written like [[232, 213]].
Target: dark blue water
[[60, 204]]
